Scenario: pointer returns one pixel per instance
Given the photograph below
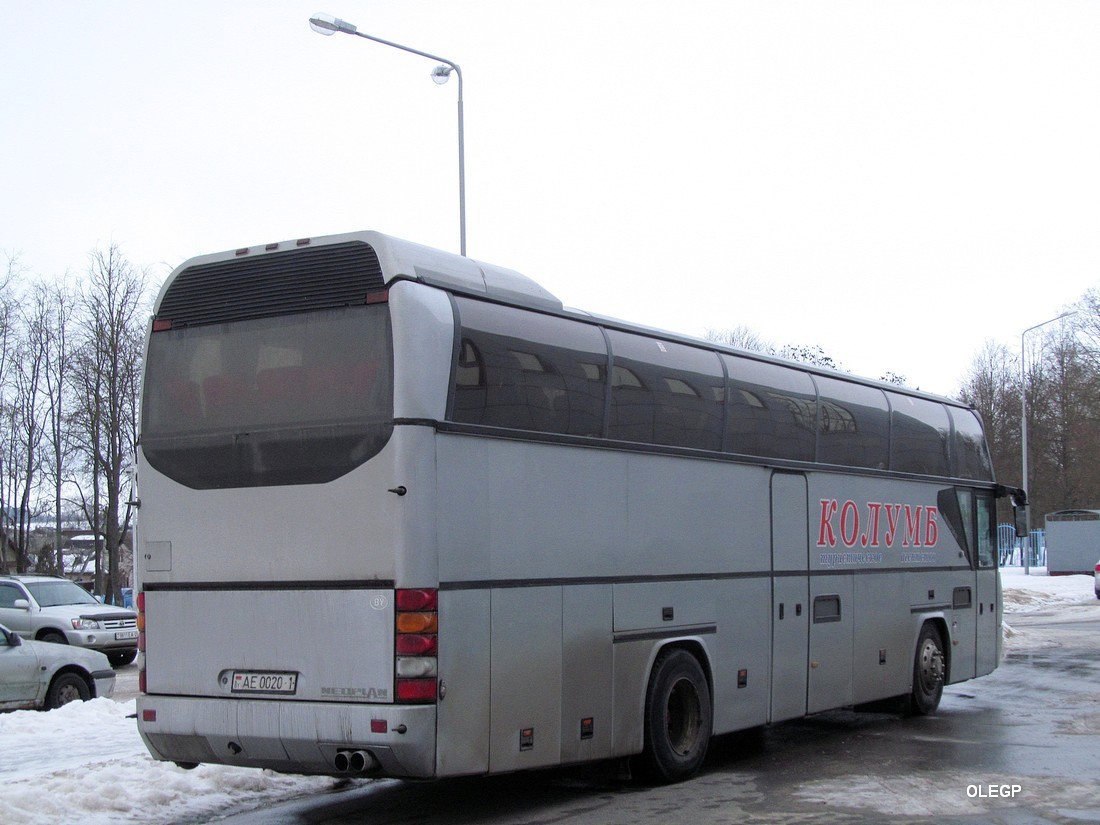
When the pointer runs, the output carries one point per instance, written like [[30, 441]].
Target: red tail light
[[408, 600], [416, 645]]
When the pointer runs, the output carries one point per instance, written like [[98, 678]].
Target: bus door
[[790, 596], [988, 595]]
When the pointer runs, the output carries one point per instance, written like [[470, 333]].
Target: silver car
[[43, 675], [52, 609]]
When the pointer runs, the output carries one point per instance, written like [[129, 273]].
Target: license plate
[[126, 634], [260, 681]]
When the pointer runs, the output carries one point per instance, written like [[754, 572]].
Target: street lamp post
[[1026, 549], [327, 25]]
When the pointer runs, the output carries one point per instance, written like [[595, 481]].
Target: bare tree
[[1062, 423], [26, 424], [744, 338], [809, 354], [8, 306], [992, 387], [58, 305], [740, 337], [106, 370]]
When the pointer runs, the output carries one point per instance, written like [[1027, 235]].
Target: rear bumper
[[286, 736]]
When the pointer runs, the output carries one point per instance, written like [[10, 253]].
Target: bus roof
[[405, 260]]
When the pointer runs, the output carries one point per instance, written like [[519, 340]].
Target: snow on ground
[[1038, 592], [86, 762], [1068, 598]]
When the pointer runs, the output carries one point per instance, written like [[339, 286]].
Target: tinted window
[[987, 531], [970, 452], [920, 437], [528, 371], [772, 410], [8, 595], [665, 393], [292, 399], [854, 424]]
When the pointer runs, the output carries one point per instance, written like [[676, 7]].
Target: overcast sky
[[895, 182]]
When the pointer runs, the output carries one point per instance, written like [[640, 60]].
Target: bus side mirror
[[1020, 514], [1019, 507]]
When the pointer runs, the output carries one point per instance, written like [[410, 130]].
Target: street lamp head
[[441, 74], [328, 25]]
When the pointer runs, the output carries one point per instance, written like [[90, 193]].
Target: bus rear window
[[291, 399]]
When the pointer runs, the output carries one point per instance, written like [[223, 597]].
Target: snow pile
[[85, 762], [1038, 592], [1070, 597]]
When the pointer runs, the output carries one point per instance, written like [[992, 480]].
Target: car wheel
[[53, 637], [67, 687], [120, 658]]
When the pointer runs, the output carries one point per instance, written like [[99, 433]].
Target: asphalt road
[[1018, 747]]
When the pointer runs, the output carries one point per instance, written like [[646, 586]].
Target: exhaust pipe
[[361, 762], [355, 761]]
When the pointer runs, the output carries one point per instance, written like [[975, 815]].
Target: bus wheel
[[928, 671], [678, 717]]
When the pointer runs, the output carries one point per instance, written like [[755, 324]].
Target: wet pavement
[[1018, 747]]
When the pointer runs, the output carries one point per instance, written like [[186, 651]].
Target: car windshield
[[53, 593]]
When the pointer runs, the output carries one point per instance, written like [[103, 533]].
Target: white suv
[[52, 609]]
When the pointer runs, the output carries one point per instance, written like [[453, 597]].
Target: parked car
[[43, 675], [53, 609], [1096, 580]]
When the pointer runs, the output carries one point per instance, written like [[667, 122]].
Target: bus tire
[[929, 670], [678, 717]]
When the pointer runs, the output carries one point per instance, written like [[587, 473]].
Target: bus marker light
[[417, 599], [417, 644], [416, 690], [417, 622], [416, 667]]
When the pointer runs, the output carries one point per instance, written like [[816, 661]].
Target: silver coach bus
[[402, 514]]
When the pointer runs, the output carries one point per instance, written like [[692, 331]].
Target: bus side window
[[854, 424], [921, 431], [987, 531], [523, 370], [772, 410], [969, 451], [952, 503], [665, 393], [966, 509]]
